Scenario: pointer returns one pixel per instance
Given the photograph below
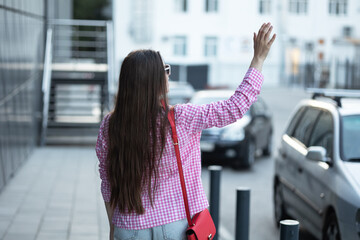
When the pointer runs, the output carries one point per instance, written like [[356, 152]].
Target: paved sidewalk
[[54, 195]]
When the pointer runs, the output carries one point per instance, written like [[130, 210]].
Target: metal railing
[[79, 41], [78, 78], [46, 84], [112, 82], [85, 45]]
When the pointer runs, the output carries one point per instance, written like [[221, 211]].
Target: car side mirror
[[317, 153]]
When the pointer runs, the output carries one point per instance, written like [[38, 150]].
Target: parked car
[[180, 92], [237, 142], [317, 168]]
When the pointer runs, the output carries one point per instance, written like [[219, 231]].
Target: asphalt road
[[259, 178]]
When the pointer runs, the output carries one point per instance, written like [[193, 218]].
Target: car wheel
[[279, 208], [237, 163], [249, 157], [331, 228], [268, 149]]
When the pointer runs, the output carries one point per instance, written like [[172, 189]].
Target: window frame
[[336, 5], [213, 46], [306, 139], [182, 46], [341, 143], [323, 112], [211, 6], [264, 7], [181, 6], [299, 7], [294, 121]]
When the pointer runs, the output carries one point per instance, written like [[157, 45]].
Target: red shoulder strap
[[171, 117]]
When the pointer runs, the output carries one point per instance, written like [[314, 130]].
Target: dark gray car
[[238, 142], [180, 92], [317, 168]]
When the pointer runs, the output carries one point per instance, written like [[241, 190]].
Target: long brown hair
[[136, 142]]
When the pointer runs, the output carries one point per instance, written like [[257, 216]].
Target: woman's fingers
[[265, 31], [261, 30], [267, 35], [271, 40]]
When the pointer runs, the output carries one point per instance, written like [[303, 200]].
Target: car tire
[[268, 149], [331, 228], [246, 157], [249, 157], [279, 207], [238, 163]]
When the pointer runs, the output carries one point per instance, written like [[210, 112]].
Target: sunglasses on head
[[168, 69]]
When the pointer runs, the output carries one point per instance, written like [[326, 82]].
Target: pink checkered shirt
[[190, 120]]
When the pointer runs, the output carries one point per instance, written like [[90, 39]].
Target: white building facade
[[210, 41]]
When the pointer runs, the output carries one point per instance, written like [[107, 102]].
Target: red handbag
[[201, 226]]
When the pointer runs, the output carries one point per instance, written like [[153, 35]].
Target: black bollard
[[215, 196], [289, 230], [242, 213]]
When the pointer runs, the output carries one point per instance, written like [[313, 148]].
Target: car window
[[258, 107], [305, 126], [323, 133], [350, 139], [294, 121], [254, 109], [206, 100]]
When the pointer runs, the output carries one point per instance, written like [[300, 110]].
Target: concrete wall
[[22, 44]]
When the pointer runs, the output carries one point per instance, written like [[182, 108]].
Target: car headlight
[[233, 134], [358, 222]]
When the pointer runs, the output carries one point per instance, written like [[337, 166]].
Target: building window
[[298, 6], [265, 6], [180, 5], [211, 5], [179, 46], [347, 31], [210, 47], [338, 7]]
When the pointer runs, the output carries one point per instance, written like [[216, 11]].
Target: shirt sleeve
[[195, 118], [101, 152]]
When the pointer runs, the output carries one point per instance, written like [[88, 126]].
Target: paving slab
[[54, 195]]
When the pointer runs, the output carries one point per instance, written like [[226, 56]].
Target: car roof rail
[[334, 94]]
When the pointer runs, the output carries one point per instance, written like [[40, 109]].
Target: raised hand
[[262, 45]]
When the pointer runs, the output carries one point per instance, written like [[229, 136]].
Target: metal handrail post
[[46, 84], [110, 59], [289, 230], [84, 46], [78, 22], [242, 213], [215, 172]]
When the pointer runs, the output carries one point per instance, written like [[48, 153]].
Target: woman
[[140, 181]]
